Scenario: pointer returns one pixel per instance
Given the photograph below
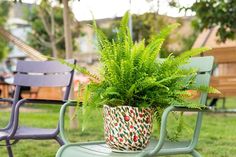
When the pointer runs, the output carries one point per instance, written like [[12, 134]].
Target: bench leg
[[213, 102], [223, 104], [9, 150], [195, 154], [59, 140]]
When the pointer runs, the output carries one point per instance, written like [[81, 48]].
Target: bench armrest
[[6, 100], [10, 101], [62, 120], [163, 127], [21, 102]]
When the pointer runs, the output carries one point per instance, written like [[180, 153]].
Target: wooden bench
[[224, 73], [31, 93]]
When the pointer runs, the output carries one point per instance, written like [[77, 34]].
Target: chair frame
[[158, 146], [156, 151], [50, 69]]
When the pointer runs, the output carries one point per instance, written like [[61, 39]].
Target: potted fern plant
[[134, 86]]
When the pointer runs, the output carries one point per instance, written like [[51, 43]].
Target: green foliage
[[4, 11], [146, 26], [46, 23], [4, 48], [220, 13], [131, 74], [38, 37]]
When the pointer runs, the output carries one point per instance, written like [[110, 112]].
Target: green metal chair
[[155, 148]]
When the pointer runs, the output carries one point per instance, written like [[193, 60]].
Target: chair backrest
[[43, 74], [204, 66]]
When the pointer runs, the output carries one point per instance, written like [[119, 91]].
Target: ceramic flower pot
[[127, 128]]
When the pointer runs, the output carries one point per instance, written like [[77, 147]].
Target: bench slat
[[58, 80], [43, 66], [204, 64]]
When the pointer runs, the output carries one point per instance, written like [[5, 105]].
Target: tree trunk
[[52, 35], [53, 45], [67, 30], [69, 54]]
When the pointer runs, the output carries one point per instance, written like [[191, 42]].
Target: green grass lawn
[[217, 139]]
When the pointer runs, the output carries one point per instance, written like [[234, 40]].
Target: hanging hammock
[[31, 52]]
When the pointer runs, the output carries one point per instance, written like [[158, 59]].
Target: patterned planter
[[127, 128]]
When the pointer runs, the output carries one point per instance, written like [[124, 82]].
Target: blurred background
[[32, 29]]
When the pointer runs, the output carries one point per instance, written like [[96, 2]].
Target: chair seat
[[30, 133], [102, 150], [3, 134]]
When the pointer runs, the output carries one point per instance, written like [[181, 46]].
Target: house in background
[[19, 28]]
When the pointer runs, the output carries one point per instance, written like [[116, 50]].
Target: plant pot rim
[[124, 106]]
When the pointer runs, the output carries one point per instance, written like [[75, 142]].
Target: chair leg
[[9, 150], [195, 154], [59, 140]]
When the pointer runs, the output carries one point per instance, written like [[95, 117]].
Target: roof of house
[[223, 52], [209, 38]]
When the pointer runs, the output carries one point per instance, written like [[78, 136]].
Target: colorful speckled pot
[[127, 128]]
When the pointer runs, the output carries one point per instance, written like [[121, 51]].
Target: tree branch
[[52, 21], [59, 39], [44, 43], [45, 23]]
